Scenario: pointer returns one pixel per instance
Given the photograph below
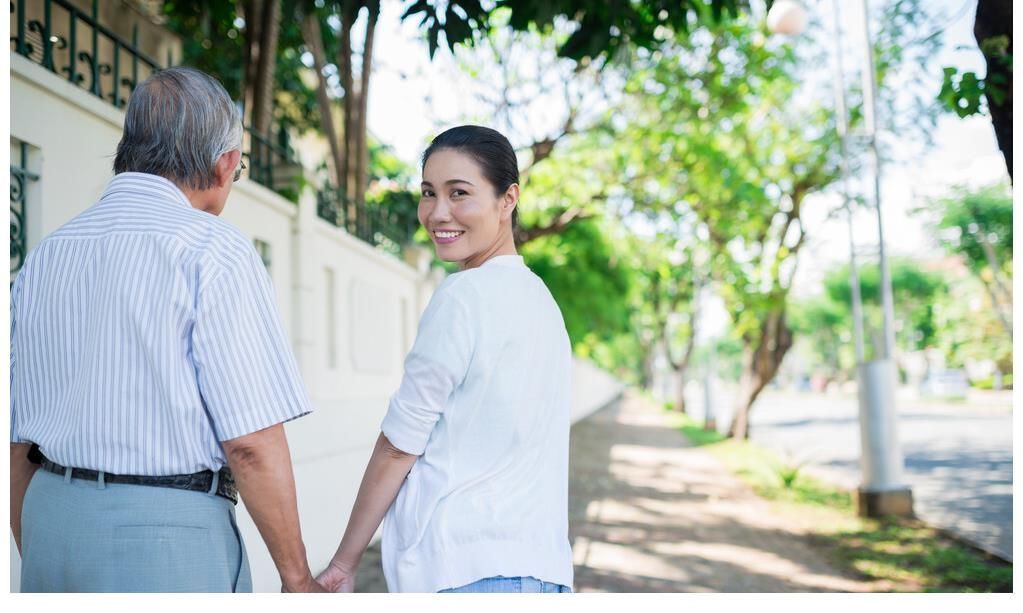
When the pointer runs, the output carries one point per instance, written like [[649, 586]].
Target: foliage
[[591, 286], [964, 93], [976, 225], [826, 320], [968, 217], [213, 37], [969, 329], [601, 28], [826, 326], [914, 290]]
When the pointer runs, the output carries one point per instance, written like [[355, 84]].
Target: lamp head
[[787, 17]]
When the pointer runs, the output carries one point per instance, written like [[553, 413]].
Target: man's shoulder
[[226, 245]]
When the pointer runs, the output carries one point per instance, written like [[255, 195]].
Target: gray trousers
[[86, 536]]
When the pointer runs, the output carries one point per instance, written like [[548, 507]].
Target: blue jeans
[[515, 585]]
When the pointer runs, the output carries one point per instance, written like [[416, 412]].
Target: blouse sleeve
[[437, 364]]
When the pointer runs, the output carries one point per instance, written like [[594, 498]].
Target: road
[[958, 455]]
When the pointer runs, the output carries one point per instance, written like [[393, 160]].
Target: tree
[[326, 30], [262, 20], [713, 131], [592, 285], [977, 225], [600, 28], [968, 328], [667, 313], [546, 105], [225, 38], [826, 324], [915, 290], [963, 93]]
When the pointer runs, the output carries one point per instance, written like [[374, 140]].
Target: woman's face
[[468, 223]]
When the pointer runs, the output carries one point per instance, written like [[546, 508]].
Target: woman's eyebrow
[[450, 182]]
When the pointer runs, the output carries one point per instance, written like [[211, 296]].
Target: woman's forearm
[[386, 471]]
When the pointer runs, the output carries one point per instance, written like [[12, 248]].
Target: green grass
[[913, 553], [907, 554]]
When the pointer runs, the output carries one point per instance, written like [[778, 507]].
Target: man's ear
[[224, 169]]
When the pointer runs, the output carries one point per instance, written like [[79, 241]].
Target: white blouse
[[484, 401]]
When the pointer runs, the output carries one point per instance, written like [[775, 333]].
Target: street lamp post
[[882, 491]]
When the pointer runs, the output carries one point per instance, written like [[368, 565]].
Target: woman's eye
[[458, 192], [427, 193]]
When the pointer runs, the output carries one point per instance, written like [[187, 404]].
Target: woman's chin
[[447, 254]]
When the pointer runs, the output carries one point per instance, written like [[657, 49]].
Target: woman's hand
[[337, 578]]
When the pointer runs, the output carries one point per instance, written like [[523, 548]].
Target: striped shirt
[[143, 333]]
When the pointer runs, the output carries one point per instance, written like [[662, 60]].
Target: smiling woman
[[469, 195], [471, 466]]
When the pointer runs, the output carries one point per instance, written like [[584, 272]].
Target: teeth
[[447, 234]]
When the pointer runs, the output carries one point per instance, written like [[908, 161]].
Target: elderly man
[[150, 375]]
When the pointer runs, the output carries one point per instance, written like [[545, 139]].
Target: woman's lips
[[446, 237]]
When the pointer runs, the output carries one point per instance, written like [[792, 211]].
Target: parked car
[[948, 383]]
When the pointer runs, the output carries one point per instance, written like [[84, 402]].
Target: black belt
[[196, 482]]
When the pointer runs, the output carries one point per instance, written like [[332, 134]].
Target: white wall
[[350, 335]]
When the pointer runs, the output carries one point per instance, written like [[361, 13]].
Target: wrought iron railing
[[72, 43], [377, 225], [69, 42], [20, 180], [272, 162]]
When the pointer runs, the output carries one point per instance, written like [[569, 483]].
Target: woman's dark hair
[[489, 148]]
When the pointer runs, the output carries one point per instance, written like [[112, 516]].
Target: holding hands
[[337, 578]]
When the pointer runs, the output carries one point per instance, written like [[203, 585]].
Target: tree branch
[[557, 226]]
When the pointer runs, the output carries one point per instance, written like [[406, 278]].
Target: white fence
[[350, 310]]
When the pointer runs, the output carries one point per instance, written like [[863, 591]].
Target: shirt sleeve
[[437, 364], [247, 374], [15, 296]]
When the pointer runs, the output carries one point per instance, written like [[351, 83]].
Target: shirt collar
[[504, 260], [144, 183]]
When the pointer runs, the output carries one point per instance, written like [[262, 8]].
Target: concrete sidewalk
[[650, 513]]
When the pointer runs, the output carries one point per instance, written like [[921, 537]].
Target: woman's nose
[[441, 211]]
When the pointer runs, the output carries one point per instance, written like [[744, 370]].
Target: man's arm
[[261, 464], [387, 469], [21, 474]]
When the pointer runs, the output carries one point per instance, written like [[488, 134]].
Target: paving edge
[[986, 551]]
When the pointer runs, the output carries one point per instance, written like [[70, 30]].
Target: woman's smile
[[446, 237]]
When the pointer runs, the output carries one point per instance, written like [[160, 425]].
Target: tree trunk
[[313, 37], [760, 365], [252, 12], [680, 401], [361, 144], [263, 83], [994, 19], [648, 368], [344, 64], [996, 306]]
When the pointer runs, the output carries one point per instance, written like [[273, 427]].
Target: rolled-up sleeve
[[247, 374], [437, 364]]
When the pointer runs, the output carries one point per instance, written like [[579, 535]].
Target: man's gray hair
[[178, 123]]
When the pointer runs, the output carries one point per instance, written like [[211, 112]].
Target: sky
[[412, 99]]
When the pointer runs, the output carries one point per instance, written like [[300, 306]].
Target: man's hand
[[337, 578]]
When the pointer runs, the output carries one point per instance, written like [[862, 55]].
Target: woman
[[471, 466]]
